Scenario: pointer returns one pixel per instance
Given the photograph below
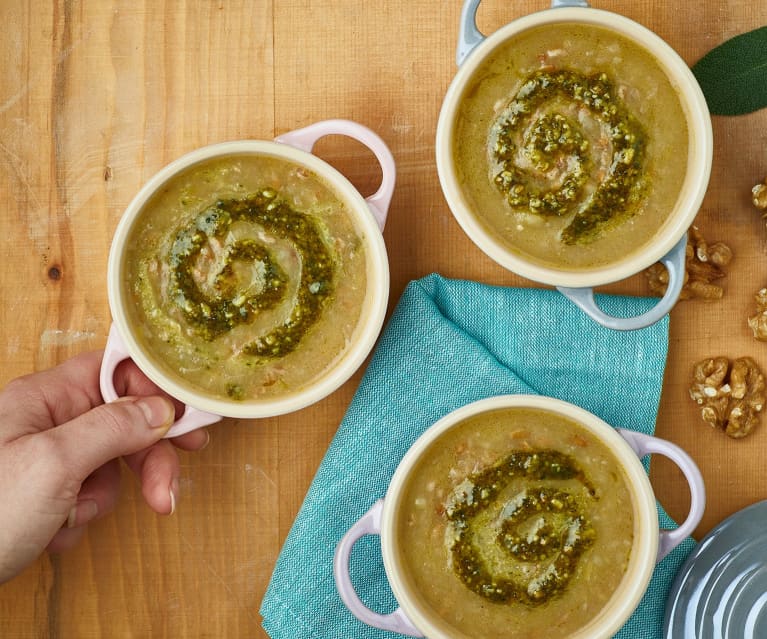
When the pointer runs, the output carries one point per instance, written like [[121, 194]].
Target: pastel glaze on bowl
[[420, 613], [666, 244], [239, 234]]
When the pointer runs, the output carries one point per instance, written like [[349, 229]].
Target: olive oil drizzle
[[541, 526], [213, 313], [554, 138]]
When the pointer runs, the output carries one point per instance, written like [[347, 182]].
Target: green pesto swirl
[[540, 531], [213, 304], [558, 154]]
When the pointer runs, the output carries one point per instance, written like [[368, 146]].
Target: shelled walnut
[[703, 265], [758, 321], [730, 397], [759, 196]]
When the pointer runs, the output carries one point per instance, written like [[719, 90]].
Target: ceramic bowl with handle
[[667, 244], [368, 216], [417, 617]]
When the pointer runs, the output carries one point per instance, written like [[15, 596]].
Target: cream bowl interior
[[646, 535], [368, 326], [692, 191]]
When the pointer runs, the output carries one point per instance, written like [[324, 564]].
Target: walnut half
[[759, 196], [730, 397], [758, 321], [703, 265]]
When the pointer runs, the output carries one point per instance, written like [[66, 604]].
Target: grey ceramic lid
[[721, 590]]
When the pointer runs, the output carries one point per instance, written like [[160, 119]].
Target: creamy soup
[[245, 277], [571, 145], [515, 523]]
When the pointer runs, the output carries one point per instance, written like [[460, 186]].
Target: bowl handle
[[469, 36], [674, 261], [368, 524], [306, 138], [115, 353], [645, 444]]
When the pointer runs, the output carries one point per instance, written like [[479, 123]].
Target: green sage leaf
[[733, 75]]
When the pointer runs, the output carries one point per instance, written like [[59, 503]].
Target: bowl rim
[[699, 160], [372, 314], [646, 523]]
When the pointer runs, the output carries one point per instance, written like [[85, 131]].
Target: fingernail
[[173, 490], [82, 512], [159, 412], [207, 440]]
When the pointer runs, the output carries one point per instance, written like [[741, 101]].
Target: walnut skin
[[758, 321], [759, 196], [731, 397], [703, 265]]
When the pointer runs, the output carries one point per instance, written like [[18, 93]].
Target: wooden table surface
[[96, 96]]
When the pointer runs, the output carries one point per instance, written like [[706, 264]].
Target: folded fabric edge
[[276, 615]]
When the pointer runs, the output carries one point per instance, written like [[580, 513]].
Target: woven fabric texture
[[448, 343]]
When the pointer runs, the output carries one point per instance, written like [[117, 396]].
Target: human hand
[[59, 454]]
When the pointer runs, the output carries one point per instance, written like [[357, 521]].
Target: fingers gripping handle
[[646, 444], [115, 353], [397, 621], [306, 138]]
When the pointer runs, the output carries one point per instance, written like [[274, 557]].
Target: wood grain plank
[[105, 95]]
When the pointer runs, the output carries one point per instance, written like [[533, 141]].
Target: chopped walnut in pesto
[[553, 142]]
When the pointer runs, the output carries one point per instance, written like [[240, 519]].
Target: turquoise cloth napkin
[[448, 343]]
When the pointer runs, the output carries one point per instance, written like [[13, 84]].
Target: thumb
[[112, 430]]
